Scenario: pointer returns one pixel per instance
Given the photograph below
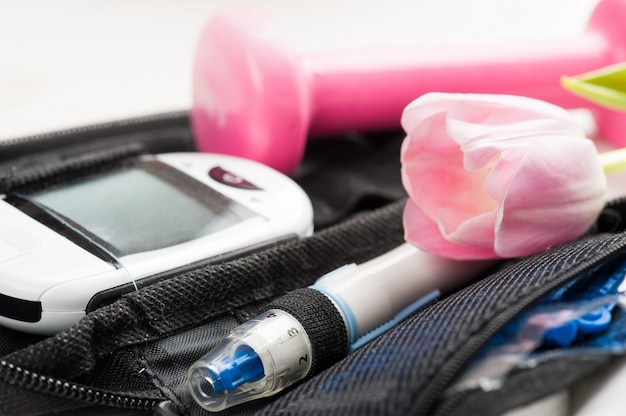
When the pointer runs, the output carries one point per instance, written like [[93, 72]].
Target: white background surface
[[70, 62], [67, 63]]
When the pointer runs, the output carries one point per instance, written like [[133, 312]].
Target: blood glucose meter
[[71, 248]]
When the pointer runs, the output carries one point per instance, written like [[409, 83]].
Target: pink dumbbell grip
[[255, 98], [355, 91]]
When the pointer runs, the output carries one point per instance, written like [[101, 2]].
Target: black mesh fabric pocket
[[134, 353]]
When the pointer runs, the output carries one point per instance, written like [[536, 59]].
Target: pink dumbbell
[[255, 97]]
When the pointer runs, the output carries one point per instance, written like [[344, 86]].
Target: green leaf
[[605, 87]]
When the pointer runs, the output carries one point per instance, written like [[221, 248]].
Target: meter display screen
[[144, 207]]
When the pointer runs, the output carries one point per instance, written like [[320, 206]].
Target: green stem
[[613, 161]]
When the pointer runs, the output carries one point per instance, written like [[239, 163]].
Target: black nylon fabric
[[48, 169], [157, 133], [197, 296], [403, 371], [321, 321], [400, 372], [343, 175], [168, 359], [104, 350], [35, 161], [143, 344]]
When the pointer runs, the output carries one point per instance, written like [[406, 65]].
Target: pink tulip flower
[[496, 176]]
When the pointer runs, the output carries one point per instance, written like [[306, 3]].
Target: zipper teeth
[[440, 382], [32, 381], [14, 141]]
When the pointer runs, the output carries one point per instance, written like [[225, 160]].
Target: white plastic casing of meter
[[48, 280]]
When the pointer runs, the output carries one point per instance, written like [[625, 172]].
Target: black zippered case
[[134, 353]]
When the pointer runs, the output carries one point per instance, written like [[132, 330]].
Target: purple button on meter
[[227, 178]]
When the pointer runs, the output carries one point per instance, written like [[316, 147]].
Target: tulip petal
[[448, 186], [496, 176], [469, 134], [477, 231], [433, 165], [424, 234], [554, 197], [506, 167], [483, 109]]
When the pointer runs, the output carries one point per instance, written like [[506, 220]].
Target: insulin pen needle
[[309, 329]]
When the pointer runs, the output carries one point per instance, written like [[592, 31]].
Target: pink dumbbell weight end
[[254, 97]]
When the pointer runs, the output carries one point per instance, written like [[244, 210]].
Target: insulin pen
[[307, 330]]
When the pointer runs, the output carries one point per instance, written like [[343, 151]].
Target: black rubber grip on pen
[[322, 322]]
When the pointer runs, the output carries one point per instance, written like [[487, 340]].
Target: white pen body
[[379, 289], [308, 329]]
